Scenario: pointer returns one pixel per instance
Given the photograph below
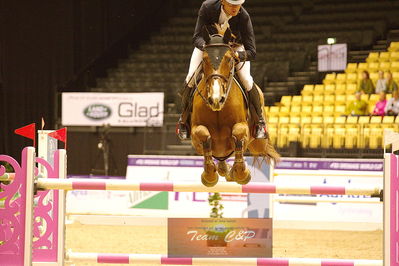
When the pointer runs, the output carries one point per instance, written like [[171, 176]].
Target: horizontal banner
[[331, 164], [114, 109], [220, 238]]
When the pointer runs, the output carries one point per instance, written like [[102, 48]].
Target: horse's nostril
[[222, 99], [210, 100]]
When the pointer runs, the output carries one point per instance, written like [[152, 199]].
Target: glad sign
[[115, 109]]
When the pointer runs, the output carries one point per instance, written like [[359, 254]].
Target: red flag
[[27, 132], [60, 134]]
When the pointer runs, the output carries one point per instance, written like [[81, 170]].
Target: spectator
[[392, 107], [358, 106], [366, 84], [381, 83], [379, 108], [390, 83]]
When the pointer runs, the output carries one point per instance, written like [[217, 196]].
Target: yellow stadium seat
[[365, 97], [317, 110], [395, 76], [340, 99], [394, 66], [351, 89], [384, 56], [307, 100], [296, 100], [338, 137], [341, 78], [329, 100], [318, 89], [306, 119], [317, 120], [272, 129], [339, 110], [273, 120], [266, 109], [351, 78], [295, 120], [286, 100], [329, 89], [317, 99], [394, 57], [375, 140], [284, 111], [351, 137], [374, 76], [374, 98], [284, 120], [328, 110], [328, 120], [372, 57], [329, 79], [376, 120], [351, 68], [339, 120], [373, 67], [350, 98], [307, 90], [274, 110], [397, 120], [393, 47], [361, 67], [388, 120], [307, 110], [340, 89], [352, 120], [294, 133], [316, 136], [364, 120], [385, 66], [295, 110]]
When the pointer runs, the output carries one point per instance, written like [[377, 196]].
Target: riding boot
[[182, 128], [260, 131]]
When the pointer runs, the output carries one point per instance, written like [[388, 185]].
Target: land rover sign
[[115, 109], [97, 111]]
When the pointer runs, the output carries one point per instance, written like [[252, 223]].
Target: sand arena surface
[[286, 243]]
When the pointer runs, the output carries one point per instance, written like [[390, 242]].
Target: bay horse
[[220, 121]]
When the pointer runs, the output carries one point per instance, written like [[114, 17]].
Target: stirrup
[[260, 131], [182, 131]]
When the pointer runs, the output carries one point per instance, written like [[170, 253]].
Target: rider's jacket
[[240, 25]]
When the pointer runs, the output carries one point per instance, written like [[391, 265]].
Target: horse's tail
[[264, 149]]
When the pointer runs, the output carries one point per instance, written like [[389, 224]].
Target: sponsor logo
[[97, 111]]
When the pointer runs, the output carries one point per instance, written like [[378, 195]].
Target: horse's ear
[[205, 34], [227, 36]]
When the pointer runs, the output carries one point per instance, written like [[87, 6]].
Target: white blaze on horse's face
[[216, 95]]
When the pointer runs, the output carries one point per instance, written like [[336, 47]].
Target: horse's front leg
[[240, 172], [202, 138]]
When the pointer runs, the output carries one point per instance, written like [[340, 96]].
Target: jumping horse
[[220, 120]]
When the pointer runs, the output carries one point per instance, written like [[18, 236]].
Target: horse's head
[[218, 65]]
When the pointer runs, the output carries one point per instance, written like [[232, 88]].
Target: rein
[[228, 80]]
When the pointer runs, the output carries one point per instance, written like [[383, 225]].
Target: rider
[[231, 12]]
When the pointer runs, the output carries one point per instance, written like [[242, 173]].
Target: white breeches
[[244, 73]]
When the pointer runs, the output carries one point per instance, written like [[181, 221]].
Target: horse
[[220, 120]]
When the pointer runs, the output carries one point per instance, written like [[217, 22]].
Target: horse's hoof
[[245, 180], [224, 170], [209, 183]]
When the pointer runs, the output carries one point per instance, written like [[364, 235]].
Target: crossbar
[[226, 187], [142, 259]]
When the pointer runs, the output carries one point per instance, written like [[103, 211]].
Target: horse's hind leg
[[202, 137], [240, 172]]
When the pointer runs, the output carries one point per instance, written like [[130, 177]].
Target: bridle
[[228, 80]]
